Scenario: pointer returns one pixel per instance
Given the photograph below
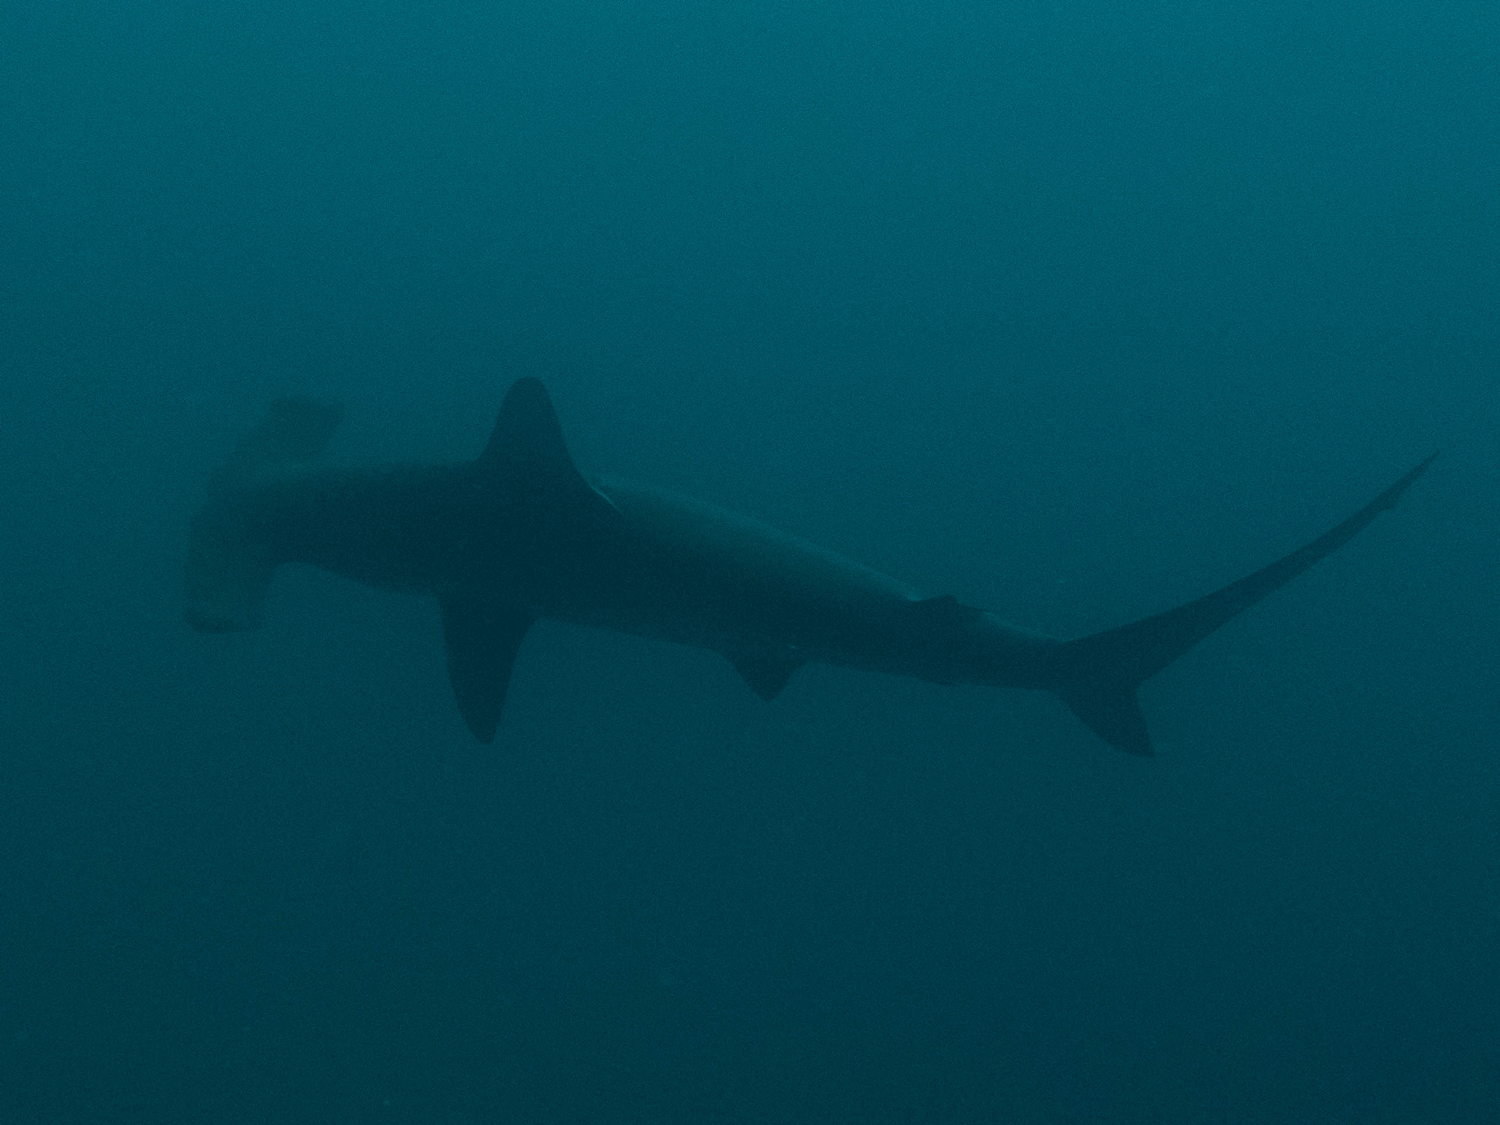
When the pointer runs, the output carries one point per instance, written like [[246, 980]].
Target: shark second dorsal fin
[[944, 608]]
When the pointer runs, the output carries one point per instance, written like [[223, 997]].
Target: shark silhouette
[[519, 534]]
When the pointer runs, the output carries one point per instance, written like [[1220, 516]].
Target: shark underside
[[519, 534]]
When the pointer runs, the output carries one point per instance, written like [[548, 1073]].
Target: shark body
[[519, 534]]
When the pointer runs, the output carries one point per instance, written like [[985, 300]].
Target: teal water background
[[1072, 309]]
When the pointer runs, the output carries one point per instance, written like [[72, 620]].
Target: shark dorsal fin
[[527, 457], [527, 436]]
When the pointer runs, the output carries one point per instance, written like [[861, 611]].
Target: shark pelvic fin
[[767, 672], [1097, 676]]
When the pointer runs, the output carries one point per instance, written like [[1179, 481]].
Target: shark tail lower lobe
[[1097, 676]]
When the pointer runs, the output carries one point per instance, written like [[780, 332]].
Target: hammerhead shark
[[520, 534]]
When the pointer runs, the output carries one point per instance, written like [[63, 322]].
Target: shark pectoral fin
[[766, 671], [482, 636]]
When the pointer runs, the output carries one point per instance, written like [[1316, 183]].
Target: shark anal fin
[[766, 671], [482, 636]]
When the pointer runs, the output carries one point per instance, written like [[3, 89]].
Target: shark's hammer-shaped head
[[228, 571]]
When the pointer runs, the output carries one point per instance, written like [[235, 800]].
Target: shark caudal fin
[[226, 579], [1097, 676]]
